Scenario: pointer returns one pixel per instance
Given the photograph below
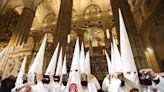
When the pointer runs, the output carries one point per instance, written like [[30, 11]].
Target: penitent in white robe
[[39, 87], [106, 85], [115, 86], [129, 85], [159, 86]]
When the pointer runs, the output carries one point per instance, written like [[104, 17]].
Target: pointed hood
[[112, 59], [87, 62], [126, 51], [35, 68], [59, 66], [108, 63], [117, 58], [2, 53], [52, 65], [64, 69], [82, 59], [127, 58], [19, 79], [75, 61]]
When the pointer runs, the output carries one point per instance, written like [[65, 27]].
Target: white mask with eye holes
[[132, 76]]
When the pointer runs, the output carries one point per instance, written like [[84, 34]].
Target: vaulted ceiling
[[48, 11], [84, 13]]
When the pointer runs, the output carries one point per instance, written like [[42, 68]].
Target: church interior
[[24, 23]]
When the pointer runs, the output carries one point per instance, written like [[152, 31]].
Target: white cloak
[[55, 87], [39, 87], [92, 87], [160, 85]]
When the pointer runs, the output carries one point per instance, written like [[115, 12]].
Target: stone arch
[[50, 18], [92, 9]]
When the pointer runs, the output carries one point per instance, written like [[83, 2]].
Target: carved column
[[131, 30], [21, 31], [63, 26]]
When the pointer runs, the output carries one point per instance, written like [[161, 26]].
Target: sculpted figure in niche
[[94, 37]]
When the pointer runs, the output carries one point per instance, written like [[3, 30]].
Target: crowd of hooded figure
[[112, 83], [122, 73]]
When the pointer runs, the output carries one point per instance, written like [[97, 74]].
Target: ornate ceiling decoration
[[47, 12]]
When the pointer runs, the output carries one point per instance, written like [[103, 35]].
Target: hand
[[39, 77], [83, 77], [51, 78], [118, 75], [145, 71]]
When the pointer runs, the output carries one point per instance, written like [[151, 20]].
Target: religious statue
[[93, 37]]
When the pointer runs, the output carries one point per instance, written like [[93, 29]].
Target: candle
[[68, 38], [107, 33]]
